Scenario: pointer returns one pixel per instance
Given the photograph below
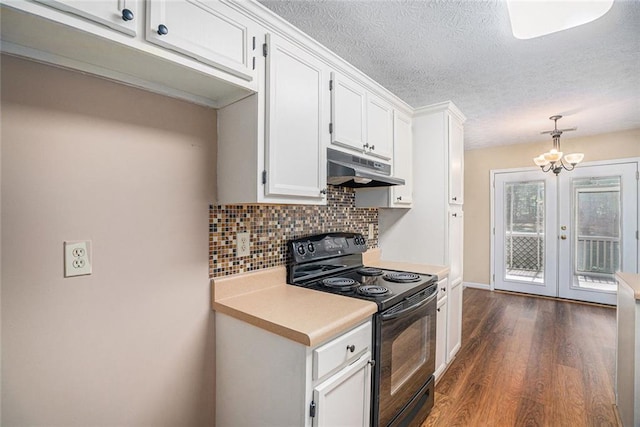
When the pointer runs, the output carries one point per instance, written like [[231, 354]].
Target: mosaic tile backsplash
[[271, 226]]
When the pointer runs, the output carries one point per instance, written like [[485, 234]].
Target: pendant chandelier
[[553, 160]]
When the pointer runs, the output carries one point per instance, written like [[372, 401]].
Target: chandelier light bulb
[[574, 158], [540, 160], [553, 155]]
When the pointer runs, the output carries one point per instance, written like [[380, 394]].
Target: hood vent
[[348, 170]]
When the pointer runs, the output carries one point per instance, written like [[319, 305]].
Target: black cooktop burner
[[339, 282], [372, 290], [370, 271], [402, 277]]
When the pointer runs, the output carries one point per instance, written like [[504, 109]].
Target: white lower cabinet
[[449, 324], [454, 319], [345, 398], [441, 336], [268, 380]]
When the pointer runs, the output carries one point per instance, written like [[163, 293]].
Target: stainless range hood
[[349, 170]]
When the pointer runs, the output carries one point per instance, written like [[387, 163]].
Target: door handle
[[563, 237]]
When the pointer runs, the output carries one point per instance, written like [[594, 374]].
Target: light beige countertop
[[371, 258], [264, 299], [632, 280]]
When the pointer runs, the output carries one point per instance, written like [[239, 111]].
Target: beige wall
[[134, 172], [478, 164]]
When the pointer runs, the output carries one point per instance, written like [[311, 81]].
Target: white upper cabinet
[[402, 160], [272, 145], [295, 122], [360, 120], [379, 128], [456, 161], [348, 116], [208, 31], [206, 55], [121, 15], [397, 196]]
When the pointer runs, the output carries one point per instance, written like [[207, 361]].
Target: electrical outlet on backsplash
[[271, 226]]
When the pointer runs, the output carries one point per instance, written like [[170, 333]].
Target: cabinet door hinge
[[254, 43], [330, 84], [265, 50], [312, 409], [330, 127], [637, 238], [637, 175], [494, 278], [264, 177], [254, 62], [494, 230]]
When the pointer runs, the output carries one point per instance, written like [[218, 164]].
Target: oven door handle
[[410, 308]]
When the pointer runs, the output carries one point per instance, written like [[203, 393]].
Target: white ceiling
[[463, 50]]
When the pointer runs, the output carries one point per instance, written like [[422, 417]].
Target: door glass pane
[[596, 232], [524, 231]]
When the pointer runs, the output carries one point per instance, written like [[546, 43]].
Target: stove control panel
[[327, 245]]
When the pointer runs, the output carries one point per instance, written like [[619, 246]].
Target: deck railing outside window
[[595, 255]]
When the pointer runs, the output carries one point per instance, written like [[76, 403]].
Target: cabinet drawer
[[337, 352]]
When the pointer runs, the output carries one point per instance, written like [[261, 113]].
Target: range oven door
[[406, 344]]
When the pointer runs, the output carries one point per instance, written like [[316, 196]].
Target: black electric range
[[332, 262], [404, 328]]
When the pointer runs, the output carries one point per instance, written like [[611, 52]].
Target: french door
[[566, 236]]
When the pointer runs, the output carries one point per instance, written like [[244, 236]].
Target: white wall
[[134, 172]]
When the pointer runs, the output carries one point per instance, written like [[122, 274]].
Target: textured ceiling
[[432, 51]]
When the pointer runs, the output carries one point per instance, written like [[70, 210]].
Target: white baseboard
[[477, 285]]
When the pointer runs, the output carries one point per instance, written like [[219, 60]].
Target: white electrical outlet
[[77, 260], [370, 231], [242, 244]]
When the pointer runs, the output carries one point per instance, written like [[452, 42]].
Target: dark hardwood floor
[[529, 361]]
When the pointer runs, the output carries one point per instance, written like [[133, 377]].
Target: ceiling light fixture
[[553, 160], [531, 19]]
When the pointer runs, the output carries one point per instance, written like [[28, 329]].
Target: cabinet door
[[348, 104], [344, 399], [208, 31], [402, 160], [295, 122], [456, 243], [454, 319], [456, 161], [106, 12], [379, 137], [441, 337]]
